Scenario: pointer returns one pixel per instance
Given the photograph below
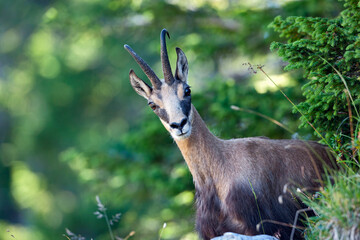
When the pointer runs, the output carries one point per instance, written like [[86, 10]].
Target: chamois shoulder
[[281, 142], [277, 149]]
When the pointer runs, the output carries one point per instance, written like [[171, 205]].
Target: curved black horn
[[168, 76], [145, 67]]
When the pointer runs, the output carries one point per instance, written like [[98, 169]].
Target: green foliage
[[215, 103], [337, 208], [328, 52]]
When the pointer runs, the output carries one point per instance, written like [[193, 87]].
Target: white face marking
[[176, 133], [171, 103]]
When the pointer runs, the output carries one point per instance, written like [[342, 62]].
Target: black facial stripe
[[186, 106], [176, 88], [163, 115]]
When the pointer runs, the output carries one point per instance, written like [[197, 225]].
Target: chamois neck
[[201, 150]]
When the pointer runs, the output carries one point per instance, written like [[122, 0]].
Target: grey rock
[[235, 236]]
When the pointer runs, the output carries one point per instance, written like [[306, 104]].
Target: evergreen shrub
[[328, 52]]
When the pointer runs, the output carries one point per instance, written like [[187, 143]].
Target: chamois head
[[169, 98]]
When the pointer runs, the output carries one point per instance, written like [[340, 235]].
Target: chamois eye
[[153, 106], [187, 92]]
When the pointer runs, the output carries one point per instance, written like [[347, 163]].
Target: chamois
[[237, 181]]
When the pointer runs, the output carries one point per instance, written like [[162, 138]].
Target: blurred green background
[[71, 126]]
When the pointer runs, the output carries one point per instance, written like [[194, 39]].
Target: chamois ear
[[139, 85], [182, 69]]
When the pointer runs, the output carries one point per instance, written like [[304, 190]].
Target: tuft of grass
[[337, 209], [101, 213], [72, 236]]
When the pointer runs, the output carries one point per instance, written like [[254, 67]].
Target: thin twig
[[132, 233], [281, 223], [162, 229], [351, 122], [236, 108], [297, 109], [257, 205], [108, 224], [66, 236], [296, 219]]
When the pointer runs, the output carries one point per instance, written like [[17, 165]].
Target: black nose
[[179, 125]]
